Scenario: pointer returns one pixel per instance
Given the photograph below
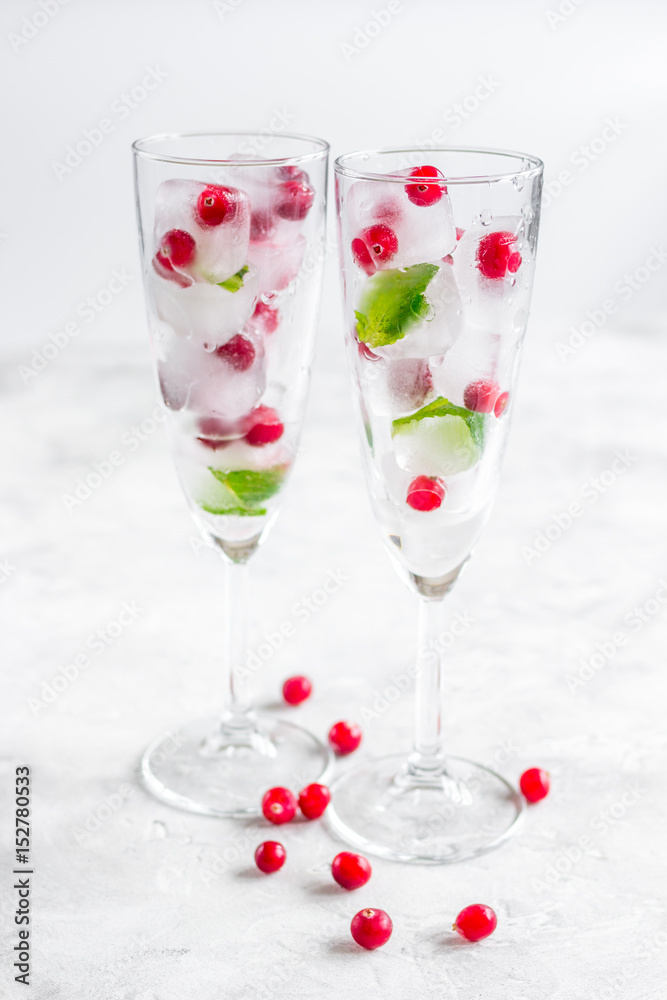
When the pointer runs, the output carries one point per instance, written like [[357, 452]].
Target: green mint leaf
[[392, 302], [251, 487], [441, 407], [234, 511], [236, 281]]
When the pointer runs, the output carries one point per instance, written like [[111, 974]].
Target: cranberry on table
[[279, 805], [535, 784], [351, 871], [313, 800], [344, 738], [270, 856], [297, 689], [429, 187], [371, 928], [425, 493], [476, 922]]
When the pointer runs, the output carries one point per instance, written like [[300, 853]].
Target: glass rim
[[138, 147], [536, 165]]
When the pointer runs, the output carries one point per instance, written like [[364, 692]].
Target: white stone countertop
[[148, 903]]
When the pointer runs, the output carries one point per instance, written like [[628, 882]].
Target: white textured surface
[[135, 910]]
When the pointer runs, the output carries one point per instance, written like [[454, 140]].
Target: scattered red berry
[[344, 738], [425, 493], [495, 256], [535, 784], [279, 805], [239, 352], [501, 403], [350, 870], [371, 928], [294, 201], [266, 317], [481, 396], [476, 922], [313, 800], [265, 427], [296, 690], [362, 256], [176, 247], [270, 856], [427, 191], [215, 205]]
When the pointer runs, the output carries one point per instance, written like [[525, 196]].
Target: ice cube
[[280, 198], [206, 313], [276, 265], [436, 334], [493, 265], [215, 218], [397, 387], [421, 233], [435, 446]]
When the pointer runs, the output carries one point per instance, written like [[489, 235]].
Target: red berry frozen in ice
[[313, 800], [216, 433], [262, 225], [481, 396], [501, 403], [290, 172], [264, 427], [215, 204], [361, 255], [279, 805], [459, 233], [239, 352], [382, 242], [294, 200], [270, 856], [535, 784], [163, 266], [266, 317], [344, 738], [425, 493], [350, 870], [475, 922], [429, 188], [177, 247], [496, 255], [365, 352], [371, 928], [296, 690]]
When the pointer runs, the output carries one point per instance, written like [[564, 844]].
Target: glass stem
[[427, 758], [237, 715]]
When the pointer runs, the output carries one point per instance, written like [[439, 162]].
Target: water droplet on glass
[[485, 217], [209, 347], [527, 212]]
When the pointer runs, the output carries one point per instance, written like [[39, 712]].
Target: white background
[[125, 912]]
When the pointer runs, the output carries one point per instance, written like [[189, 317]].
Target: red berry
[[266, 317], [344, 738], [215, 444], [239, 352], [382, 242], [215, 205], [178, 247], [296, 690], [290, 172], [279, 805], [481, 396], [163, 266], [350, 870], [495, 256], [365, 352], [459, 233], [270, 856], [475, 922], [501, 403], [535, 784], [426, 192], [371, 928], [265, 427], [425, 493], [294, 201], [262, 225], [362, 256], [313, 800]]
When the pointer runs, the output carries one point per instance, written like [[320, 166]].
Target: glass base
[[386, 809], [205, 768]]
